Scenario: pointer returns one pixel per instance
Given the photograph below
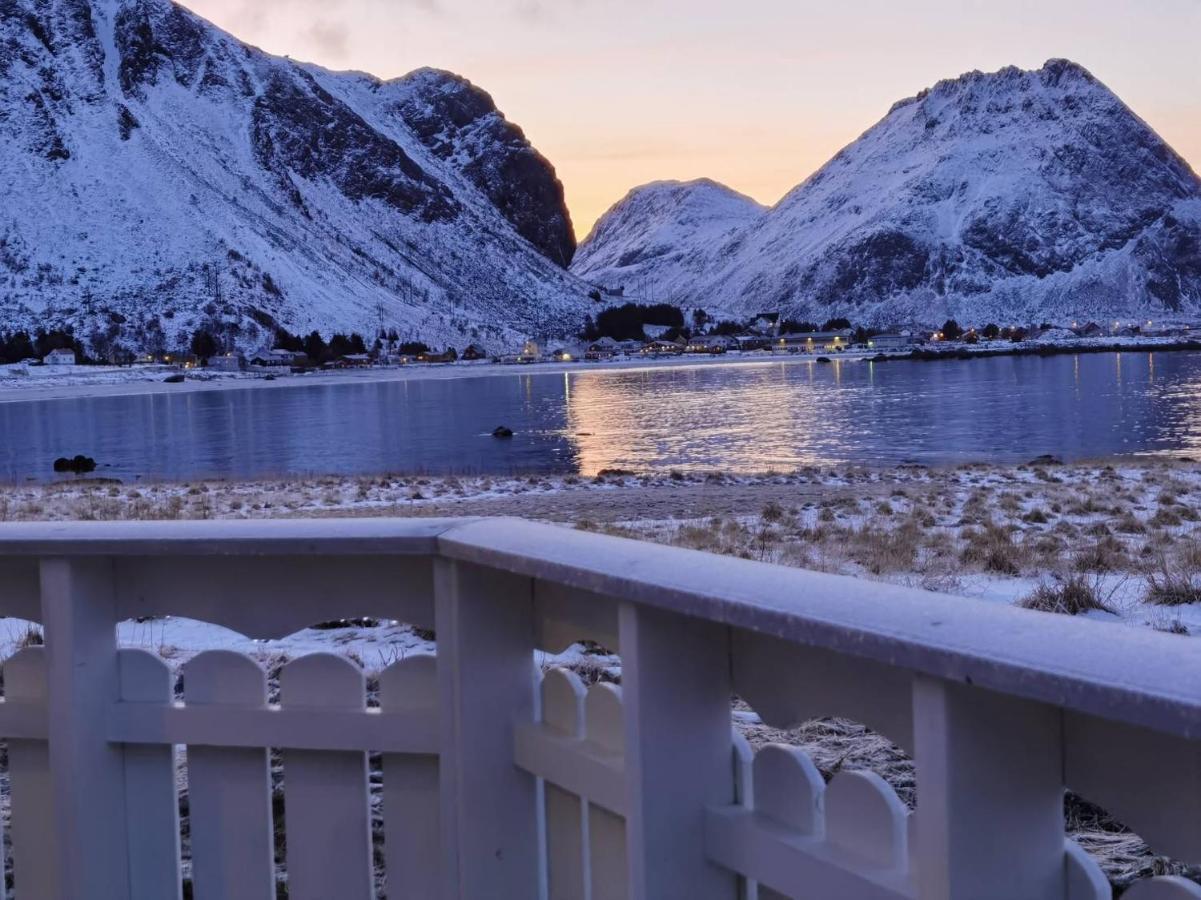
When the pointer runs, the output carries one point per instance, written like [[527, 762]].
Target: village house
[[473, 352], [815, 341], [630, 348], [281, 357], [604, 348], [655, 348], [228, 362], [60, 358], [892, 342], [766, 323], [711, 343], [754, 341], [530, 353], [447, 356]]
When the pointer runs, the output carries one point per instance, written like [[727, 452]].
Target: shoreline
[[414, 372], [153, 384]]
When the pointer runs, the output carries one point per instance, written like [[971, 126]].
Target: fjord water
[[738, 418]]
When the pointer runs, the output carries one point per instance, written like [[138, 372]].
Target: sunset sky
[[756, 94]]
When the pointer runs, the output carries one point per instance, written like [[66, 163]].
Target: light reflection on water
[[749, 418]]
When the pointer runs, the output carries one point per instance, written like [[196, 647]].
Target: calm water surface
[[748, 418]]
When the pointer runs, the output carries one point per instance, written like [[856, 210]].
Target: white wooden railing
[[498, 784]]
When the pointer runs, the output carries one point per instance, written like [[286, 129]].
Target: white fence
[[497, 783]]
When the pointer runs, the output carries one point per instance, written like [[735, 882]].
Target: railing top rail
[[1131, 674], [240, 537]]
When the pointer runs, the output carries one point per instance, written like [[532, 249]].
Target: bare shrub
[[1036, 516], [1165, 517], [1106, 554], [772, 512], [993, 549], [1071, 596], [882, 550], [1129, 523], [1173, 583]]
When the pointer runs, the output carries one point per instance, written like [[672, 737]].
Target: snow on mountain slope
[[1011, 196], [664, 229], [160, 176]]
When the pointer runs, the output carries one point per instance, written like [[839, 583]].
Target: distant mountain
[[158, 176], [666, 230], [1011, 197]]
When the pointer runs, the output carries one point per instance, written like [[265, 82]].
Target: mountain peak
[[650, 225], [1054, 73], [460, 122], [993, 196]]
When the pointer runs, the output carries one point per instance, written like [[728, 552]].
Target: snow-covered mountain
[[158, 175], [1013, 196], [664, 230]]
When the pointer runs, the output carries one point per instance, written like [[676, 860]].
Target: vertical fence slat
[[87, 772], [989, 818], [151, 794], [566, 820], [608, 859], [326, 802], [788, 788], [34, 842], [676, 692], [229, 789], [412, 836], [487, 683]]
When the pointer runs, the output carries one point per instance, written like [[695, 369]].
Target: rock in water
[[79, 465], [502, 432]]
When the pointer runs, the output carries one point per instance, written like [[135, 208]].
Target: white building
[[279, 357], [814, 341], [228, 362], [712, 343], [601, 349], [892, 342], [60, 358]]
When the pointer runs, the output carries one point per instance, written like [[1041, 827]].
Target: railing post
[[87, 773], [679, 751], [989, 813], [486, 681]]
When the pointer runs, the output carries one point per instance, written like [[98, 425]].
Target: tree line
[[18, 346], [628, 323]]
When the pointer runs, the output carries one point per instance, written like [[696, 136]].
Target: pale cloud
[[331, 39]]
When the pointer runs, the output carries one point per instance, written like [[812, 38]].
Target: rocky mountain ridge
[[160, 176], [1011, 196]]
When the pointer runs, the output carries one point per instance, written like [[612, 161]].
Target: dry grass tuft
[[1173, 583], [993, 549], [1072, 596]]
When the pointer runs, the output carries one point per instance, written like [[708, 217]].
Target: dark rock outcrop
[[460, 123]]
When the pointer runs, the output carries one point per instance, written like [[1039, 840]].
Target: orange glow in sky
[[756, 94]]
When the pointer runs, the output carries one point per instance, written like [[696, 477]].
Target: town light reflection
[[750, 420]]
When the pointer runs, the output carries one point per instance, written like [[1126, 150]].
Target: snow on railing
[[497, 781]]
